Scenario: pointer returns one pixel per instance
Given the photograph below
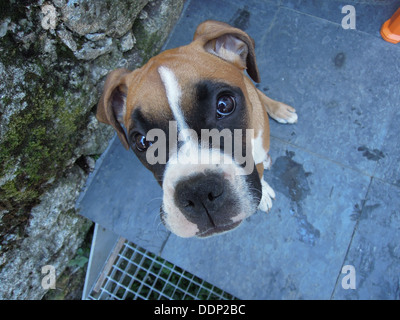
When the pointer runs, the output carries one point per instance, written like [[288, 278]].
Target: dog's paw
[[285, 114], [268, 194]]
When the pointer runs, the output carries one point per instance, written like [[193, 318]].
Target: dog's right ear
[[111, 108]]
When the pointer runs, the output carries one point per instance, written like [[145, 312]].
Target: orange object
[[390, 30]]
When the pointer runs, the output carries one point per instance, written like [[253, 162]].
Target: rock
[[113, 18], [4, 27], [54, 56], [99, 22], [127, 42], [93, 137], [54, 234]]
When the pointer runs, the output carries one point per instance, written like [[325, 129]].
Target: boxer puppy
[[168, 111]]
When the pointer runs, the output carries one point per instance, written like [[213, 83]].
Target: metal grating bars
[[140, 274]]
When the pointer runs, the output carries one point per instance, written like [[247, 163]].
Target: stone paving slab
[[370, 14], [388, 168], [375, 248], [344, 84]]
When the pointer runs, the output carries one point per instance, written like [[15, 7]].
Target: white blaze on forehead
[[173, 92]]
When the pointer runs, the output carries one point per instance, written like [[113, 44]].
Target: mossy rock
[[39, 138]]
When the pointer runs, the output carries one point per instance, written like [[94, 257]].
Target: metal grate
[[140, 274]]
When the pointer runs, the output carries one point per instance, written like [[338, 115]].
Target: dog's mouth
[[218, 230], [211, 231]]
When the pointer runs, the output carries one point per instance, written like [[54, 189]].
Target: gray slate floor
[[336, 172]]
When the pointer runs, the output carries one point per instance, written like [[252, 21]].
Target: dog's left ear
[[230, 44]]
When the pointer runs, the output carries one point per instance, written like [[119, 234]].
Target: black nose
[[202, 198]]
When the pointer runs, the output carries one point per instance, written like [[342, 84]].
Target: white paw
[[268, 195], [285, 114]]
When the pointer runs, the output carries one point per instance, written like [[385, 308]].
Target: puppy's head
[[187, 115]]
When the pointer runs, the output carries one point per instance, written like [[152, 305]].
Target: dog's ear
[[229, 43], [112, 105]]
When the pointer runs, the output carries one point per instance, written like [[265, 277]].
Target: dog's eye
[[226, 104], [141, 143]]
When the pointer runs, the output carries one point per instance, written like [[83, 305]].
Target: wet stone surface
[[290, 179]]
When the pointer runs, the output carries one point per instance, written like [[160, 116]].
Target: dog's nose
[[201, 197]]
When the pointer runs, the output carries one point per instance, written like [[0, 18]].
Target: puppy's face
[[187, 116]]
